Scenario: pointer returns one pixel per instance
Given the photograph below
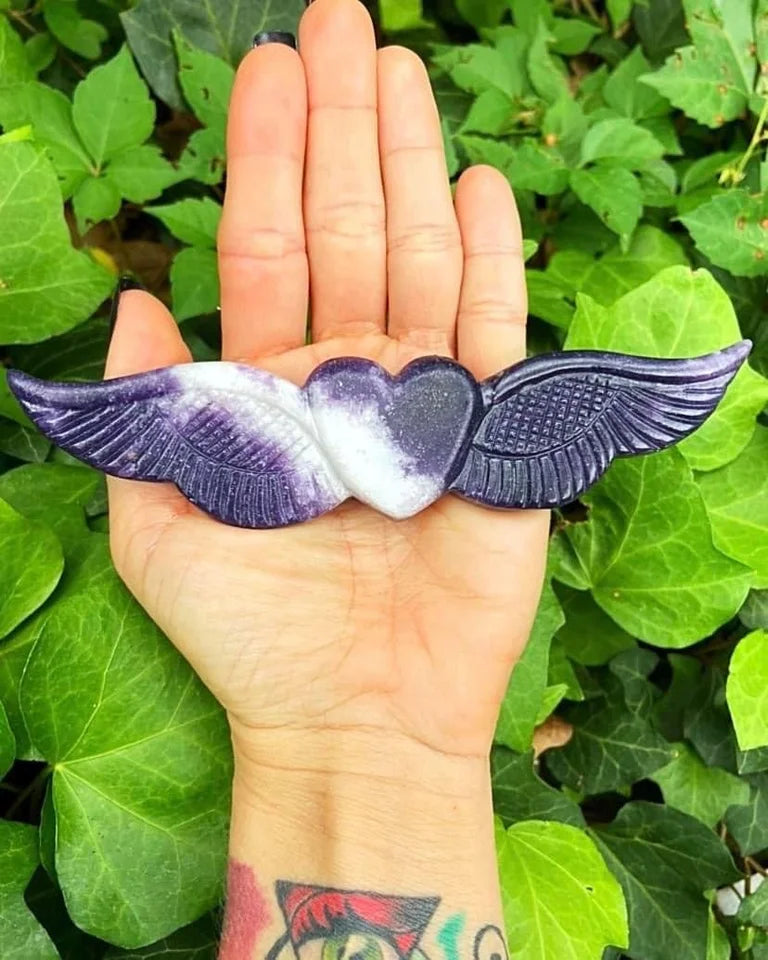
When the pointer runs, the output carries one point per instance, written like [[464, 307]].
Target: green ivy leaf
[[198, 941], [47, 287], [703, 792], [396, 15], [722, 438], [660, 24], [559, 898], [718, 943], [707, 723], [754, 613], [747, 690], [546, 73], [632, 99], [528, 13], [621, 141], [84, 564], [613, 193], [572, 36], [194, 283], [72, 29], [754, 908], [748, 824], [53, 494], [611, 747], [664, 861], [618, 11], [41, 50], [731, 230], [520, 794], [204, 157], [14, 65], [141, 173], [491, 113], [564, 124], [531, 166], [480, 69], [96, 199], [709, 80], [669, 710], [647, 552], [521, 703], [50, 114], [562, 674], [608, 277], [31, 566], [713, 18], [192, 220], [21, 936], [737, 500], [206, 81], [7, 743], [76, 355], [679, 314], [548, 298], [705, 170], [22, 443], [141, 766], [589, 636], [482, 13], [110, 124], [222, 27], [658, 182]]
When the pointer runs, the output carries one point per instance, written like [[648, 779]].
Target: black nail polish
[[123, 284], [274, 36]]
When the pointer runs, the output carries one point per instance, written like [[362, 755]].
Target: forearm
[[362, 814]]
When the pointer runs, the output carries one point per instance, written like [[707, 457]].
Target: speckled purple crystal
[[256, 451]]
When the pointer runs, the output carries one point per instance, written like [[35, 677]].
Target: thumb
[[145, 337]]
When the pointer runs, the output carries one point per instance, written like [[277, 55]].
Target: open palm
[[337, 185]]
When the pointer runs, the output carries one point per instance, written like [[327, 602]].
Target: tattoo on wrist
[[324, 923]]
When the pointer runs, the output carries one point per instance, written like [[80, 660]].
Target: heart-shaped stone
[[395, 442]]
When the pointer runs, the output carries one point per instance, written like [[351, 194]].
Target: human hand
[[403, 632]]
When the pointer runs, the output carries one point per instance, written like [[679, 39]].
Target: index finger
[[262, 258]]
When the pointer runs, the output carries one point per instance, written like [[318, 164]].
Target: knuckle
[[430, 339], [357, 220], [426, 238], [492, 310], [264, 243]]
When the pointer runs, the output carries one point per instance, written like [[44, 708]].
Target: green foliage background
[[634, 135]]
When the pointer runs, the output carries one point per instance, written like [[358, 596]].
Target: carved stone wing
[[238, 442], [554, 423]]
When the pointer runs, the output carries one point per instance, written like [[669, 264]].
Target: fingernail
[[274, 36], [123, 284]]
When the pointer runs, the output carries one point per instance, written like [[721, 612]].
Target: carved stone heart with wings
[[254, 450]]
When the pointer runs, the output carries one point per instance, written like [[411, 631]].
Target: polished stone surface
[[254, 450]]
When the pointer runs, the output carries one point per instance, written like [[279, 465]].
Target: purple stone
[[395, 442], [256, 451]]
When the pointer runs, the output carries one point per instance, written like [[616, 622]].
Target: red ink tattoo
[[247, 915], [322, 923], [319, 913]]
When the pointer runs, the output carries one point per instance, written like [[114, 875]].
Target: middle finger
[[343, 194]]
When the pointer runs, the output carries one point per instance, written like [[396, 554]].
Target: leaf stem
[[20, 18], [757, 137], [754, 865]]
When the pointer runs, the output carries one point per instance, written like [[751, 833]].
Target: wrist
[[361, 808], [367, 754]]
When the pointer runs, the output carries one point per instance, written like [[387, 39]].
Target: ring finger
[[424, 254]]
